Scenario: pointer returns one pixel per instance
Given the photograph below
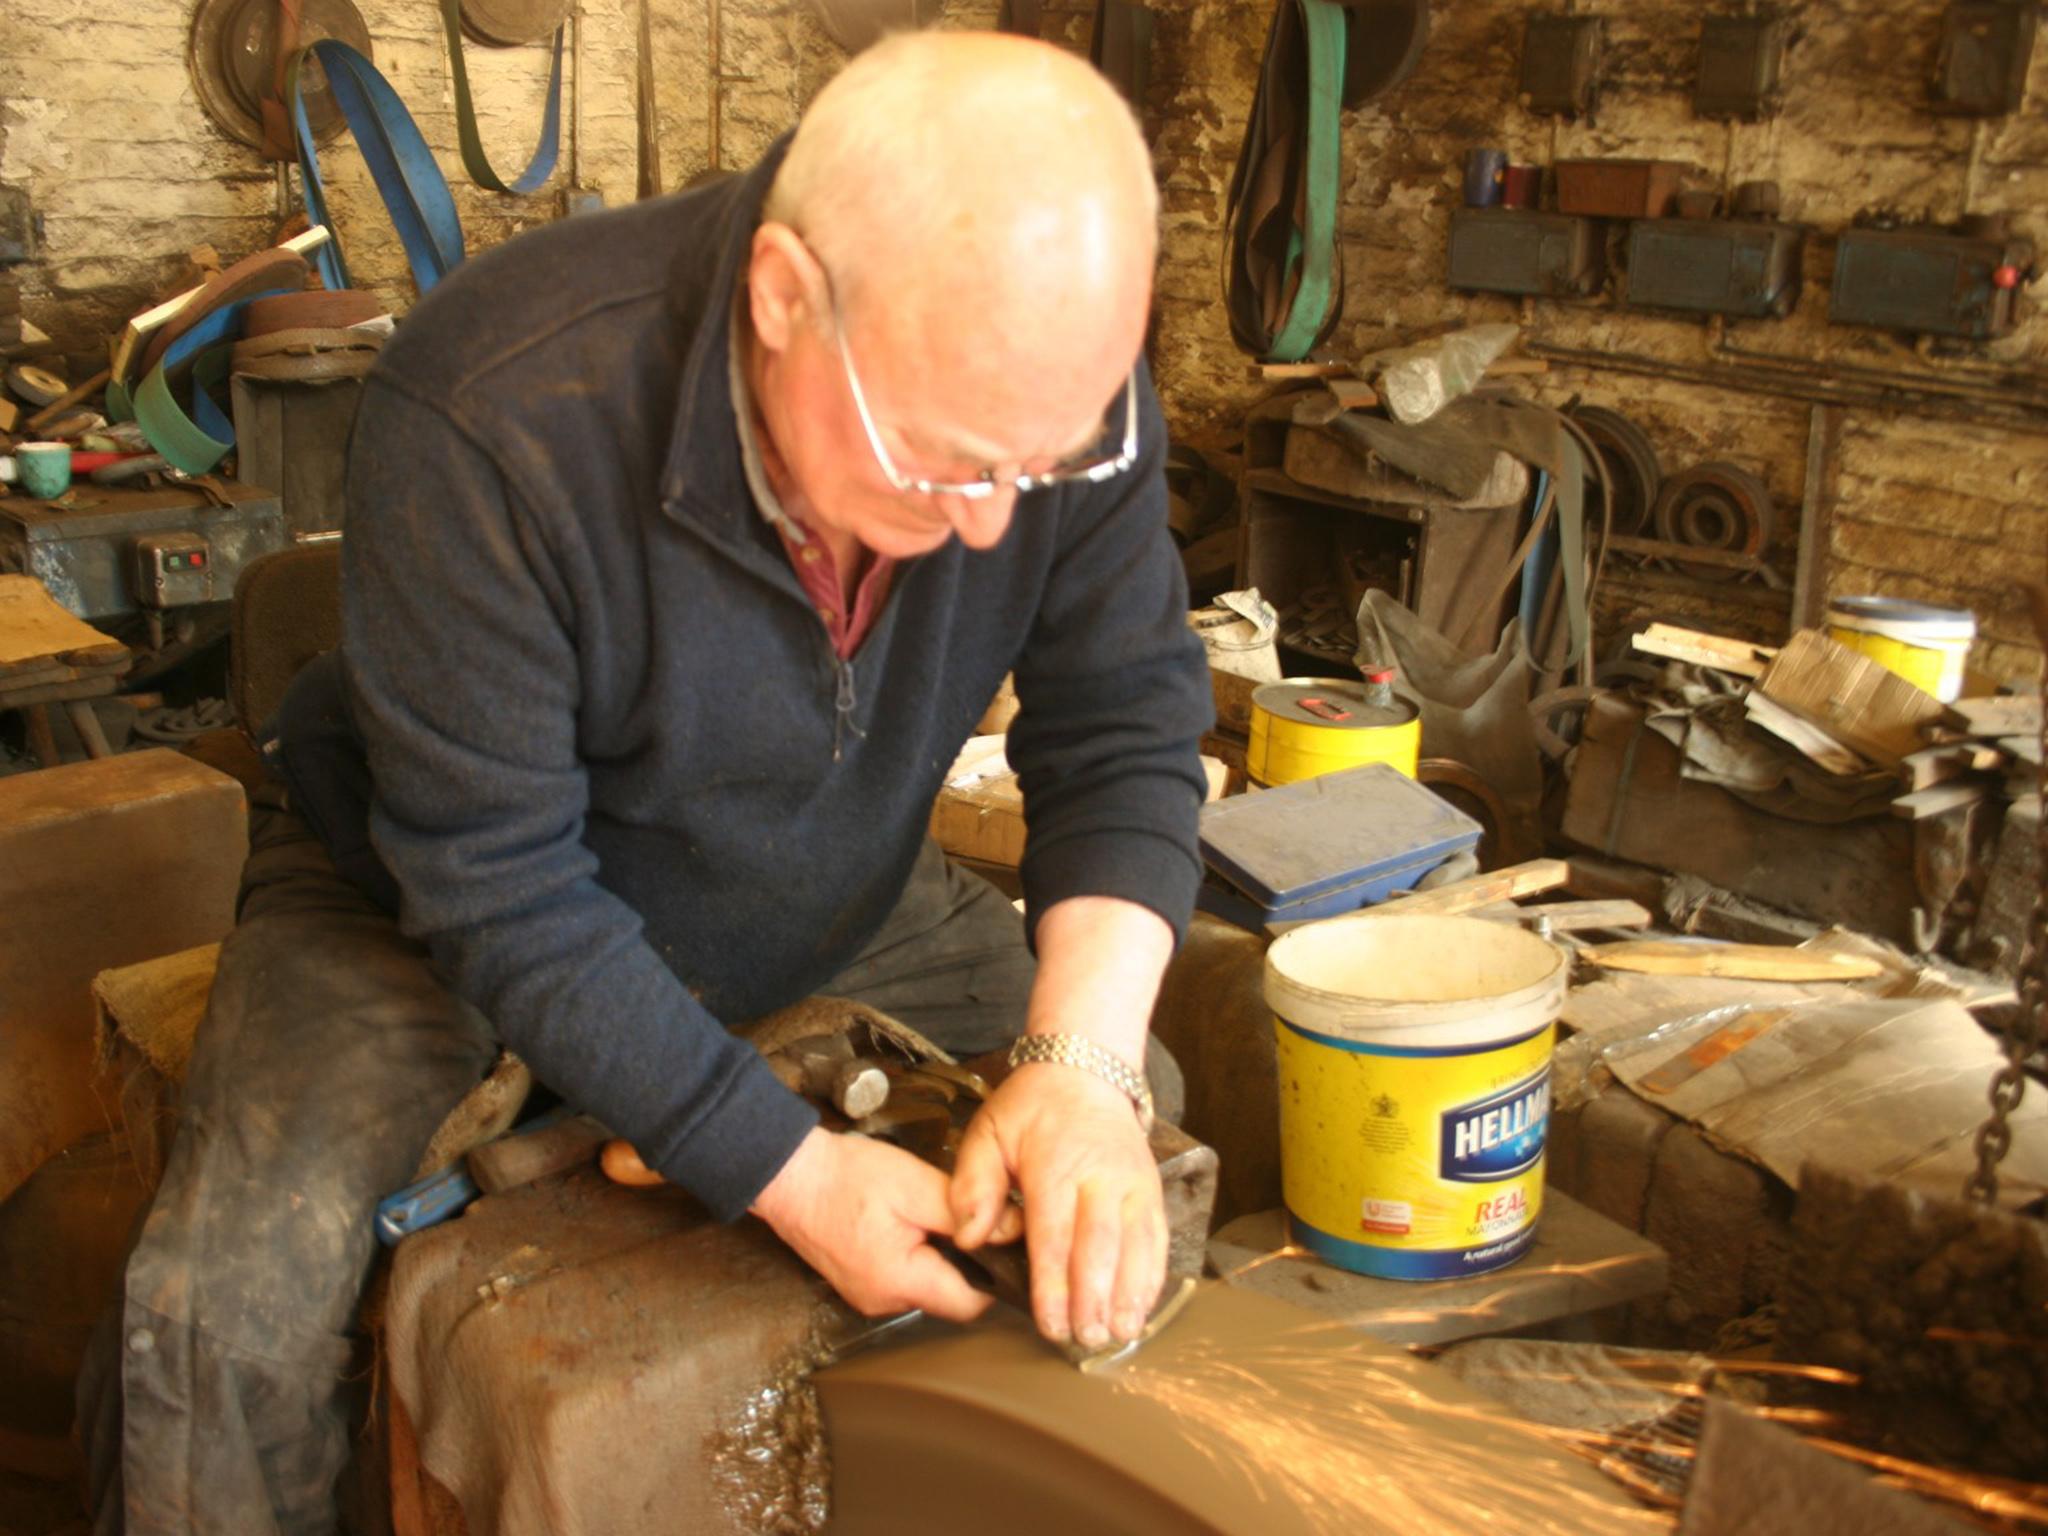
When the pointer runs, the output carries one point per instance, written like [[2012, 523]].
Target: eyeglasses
[[1091, 469]]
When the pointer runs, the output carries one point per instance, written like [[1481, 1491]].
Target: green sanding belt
[[1284, 285], [474, 161]]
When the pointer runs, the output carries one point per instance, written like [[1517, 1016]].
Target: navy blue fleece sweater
[[622, 785]]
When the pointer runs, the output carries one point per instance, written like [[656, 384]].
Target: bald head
[[951, 175]]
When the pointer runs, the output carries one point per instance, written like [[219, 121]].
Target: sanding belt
[[400, 163], [309, 337], [1284, 283], [192, 352]]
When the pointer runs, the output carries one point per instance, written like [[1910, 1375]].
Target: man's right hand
[[859, 1212]]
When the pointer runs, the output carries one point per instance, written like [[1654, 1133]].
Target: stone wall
[[99, 121], [1937, 504]]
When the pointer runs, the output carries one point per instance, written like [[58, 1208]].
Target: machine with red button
[[1932, 281], [171, 570]]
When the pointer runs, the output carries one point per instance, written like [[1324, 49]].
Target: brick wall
[[98, 119]]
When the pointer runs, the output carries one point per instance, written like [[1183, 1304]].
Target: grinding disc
[[1383, 44], [1716, 506], [232, 61], [38, 386], [854, 24], [511, 23]]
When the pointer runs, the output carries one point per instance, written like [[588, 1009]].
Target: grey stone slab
[[1581, 1262]]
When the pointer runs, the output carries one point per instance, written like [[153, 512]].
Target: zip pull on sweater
[[843, 706]]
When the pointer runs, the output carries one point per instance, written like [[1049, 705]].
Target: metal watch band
[[1083, 1053]]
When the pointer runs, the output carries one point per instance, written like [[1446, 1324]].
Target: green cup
[[44, 469]]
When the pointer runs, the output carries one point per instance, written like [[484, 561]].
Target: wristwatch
[[1099, 1061]]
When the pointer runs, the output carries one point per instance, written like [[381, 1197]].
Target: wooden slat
[[1530, 879], [2005, 715], [1578, 916], [1939, 800], [1749, 962], [1702, 649]]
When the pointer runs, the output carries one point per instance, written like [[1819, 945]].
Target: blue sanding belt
[[401, 165]]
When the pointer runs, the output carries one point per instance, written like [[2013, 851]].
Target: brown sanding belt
[[275, 268], [308, 337]]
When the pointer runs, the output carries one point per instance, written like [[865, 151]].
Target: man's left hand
[[1094, 1214]]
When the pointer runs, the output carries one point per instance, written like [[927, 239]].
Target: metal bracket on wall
[[1561, 64], [1981, 67], [1742, 59], [21, 227]]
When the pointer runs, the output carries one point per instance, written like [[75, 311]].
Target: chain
[[2023, 1037]]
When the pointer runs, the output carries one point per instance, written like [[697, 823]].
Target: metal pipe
[[715, 89], [576, 95], [2022, 415]]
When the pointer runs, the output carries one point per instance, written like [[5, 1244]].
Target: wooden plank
[[1745, 962], [1859, 703], [1816, 518], [1812, 742], [1280, 372], [1578, 916], [35, 629], [1939, 800], [1939, 765], [1530, 879], [1702, 649], [2003, 715]]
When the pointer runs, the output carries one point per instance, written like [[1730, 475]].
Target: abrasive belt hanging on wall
[[474, 161], [400, 163], [1284, 282]]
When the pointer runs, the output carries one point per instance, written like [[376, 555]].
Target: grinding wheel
[[512, 23], [855, 24], [1716, 506], [1245, 1415], [1384, 41], [37, 386], [232, 57], [1630, 459]]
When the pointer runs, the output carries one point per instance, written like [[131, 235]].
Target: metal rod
[[2022, 415], [576, 95], [1809, 581], [715, 90]]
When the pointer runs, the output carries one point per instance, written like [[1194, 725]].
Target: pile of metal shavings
[[770, 1463]]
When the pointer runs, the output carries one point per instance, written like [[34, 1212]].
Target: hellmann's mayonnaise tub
[[1414, 1057]]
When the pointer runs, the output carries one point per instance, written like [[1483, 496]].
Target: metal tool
[[430, 1201], [1003, 1271]]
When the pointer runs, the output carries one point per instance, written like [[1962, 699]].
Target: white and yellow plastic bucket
[[1309, 726], [1414, 1061], [1928, 646]]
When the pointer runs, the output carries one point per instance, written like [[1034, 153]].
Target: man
[[686, 544]]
